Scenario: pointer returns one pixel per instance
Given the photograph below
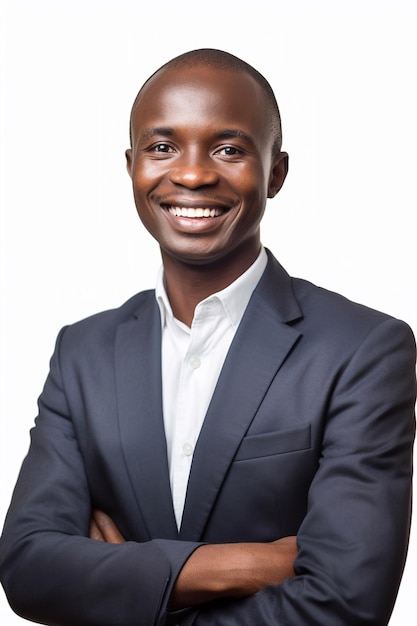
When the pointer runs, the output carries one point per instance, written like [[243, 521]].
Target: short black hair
[[211, 57]]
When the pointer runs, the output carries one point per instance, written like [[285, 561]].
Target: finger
[[94, 532], [107, 527]]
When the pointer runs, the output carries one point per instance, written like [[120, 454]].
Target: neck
[[188, 284]]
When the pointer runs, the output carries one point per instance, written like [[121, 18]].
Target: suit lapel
[[261, 344], [139, 389]]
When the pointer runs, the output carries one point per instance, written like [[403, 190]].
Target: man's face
[[201, 163]]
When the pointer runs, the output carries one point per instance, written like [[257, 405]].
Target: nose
[[193, 172]]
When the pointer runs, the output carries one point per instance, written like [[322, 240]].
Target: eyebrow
[[230, 133], [165, 131], [148, 133]]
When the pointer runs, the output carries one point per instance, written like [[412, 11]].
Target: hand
[[102, 528], [233, 570]]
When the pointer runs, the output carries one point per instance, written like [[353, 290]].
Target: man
[[184, 439]]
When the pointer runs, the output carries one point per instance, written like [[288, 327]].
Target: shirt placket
[[186, 421]]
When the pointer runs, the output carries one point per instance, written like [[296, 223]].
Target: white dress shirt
[[192, 359]]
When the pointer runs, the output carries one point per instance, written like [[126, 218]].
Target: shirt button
[[194, 362], [187, 449]]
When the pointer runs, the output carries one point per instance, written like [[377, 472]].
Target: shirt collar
[[234, 298]]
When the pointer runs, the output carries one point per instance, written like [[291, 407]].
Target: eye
[[229, 151], [163, 148]]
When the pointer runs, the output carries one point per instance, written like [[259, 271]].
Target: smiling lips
[[192, 212]]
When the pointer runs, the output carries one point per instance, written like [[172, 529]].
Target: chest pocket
[[278, 442]]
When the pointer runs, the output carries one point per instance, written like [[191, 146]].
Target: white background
[[344, 73]]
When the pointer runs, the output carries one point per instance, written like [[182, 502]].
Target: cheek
[[143, 183], [253, 196], [145, 175], [249, 180]]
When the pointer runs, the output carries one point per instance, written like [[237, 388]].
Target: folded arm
[[51, 571], [352, 543], [220, 570]]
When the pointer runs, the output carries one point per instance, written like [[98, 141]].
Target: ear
[[129, 160], [278, 173]]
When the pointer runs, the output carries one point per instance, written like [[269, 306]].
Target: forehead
[[201, 96]]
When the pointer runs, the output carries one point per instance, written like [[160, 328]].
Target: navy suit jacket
[[309, 432]]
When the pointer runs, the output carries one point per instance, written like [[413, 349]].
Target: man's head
[[221, 60], [205, 156]]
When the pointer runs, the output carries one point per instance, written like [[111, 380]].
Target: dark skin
[[202, 166], [219, 570], [201, 139]]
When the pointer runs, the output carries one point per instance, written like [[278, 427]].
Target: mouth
[[194, 212]]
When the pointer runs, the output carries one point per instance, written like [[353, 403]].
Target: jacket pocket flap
[[277, 442]]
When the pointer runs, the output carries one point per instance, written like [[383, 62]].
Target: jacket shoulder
[[337, 315], [102, 326]]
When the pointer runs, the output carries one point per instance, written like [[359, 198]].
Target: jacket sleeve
[[51, 571], [353, 540]]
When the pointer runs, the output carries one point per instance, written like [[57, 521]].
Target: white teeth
[[194, 212]]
